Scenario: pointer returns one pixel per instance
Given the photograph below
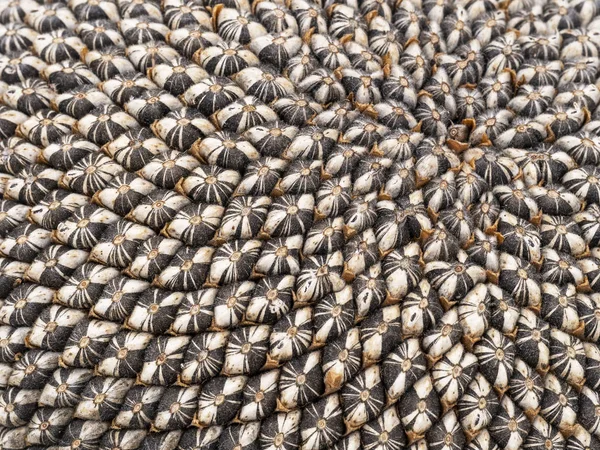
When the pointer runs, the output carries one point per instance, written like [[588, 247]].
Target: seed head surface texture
[[300, 224]]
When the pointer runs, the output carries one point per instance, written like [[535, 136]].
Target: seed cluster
[[300, 224]]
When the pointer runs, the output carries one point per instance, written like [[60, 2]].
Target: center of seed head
[[529, 384], [500, 354], [586, 142], [51, 262], [364, 395], [137, 407], [84, 342], [202, 355], [259, 397], [522, 273], [272, 294], [282, 252], [343, 355], [382, 327], [457, 371], [323, 270], [117, 296], [563, 301], [279, 439], [246, 348], [210, 179], [336, 311], [21, 304]]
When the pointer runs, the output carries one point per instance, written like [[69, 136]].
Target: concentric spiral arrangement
[[300, 224]]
